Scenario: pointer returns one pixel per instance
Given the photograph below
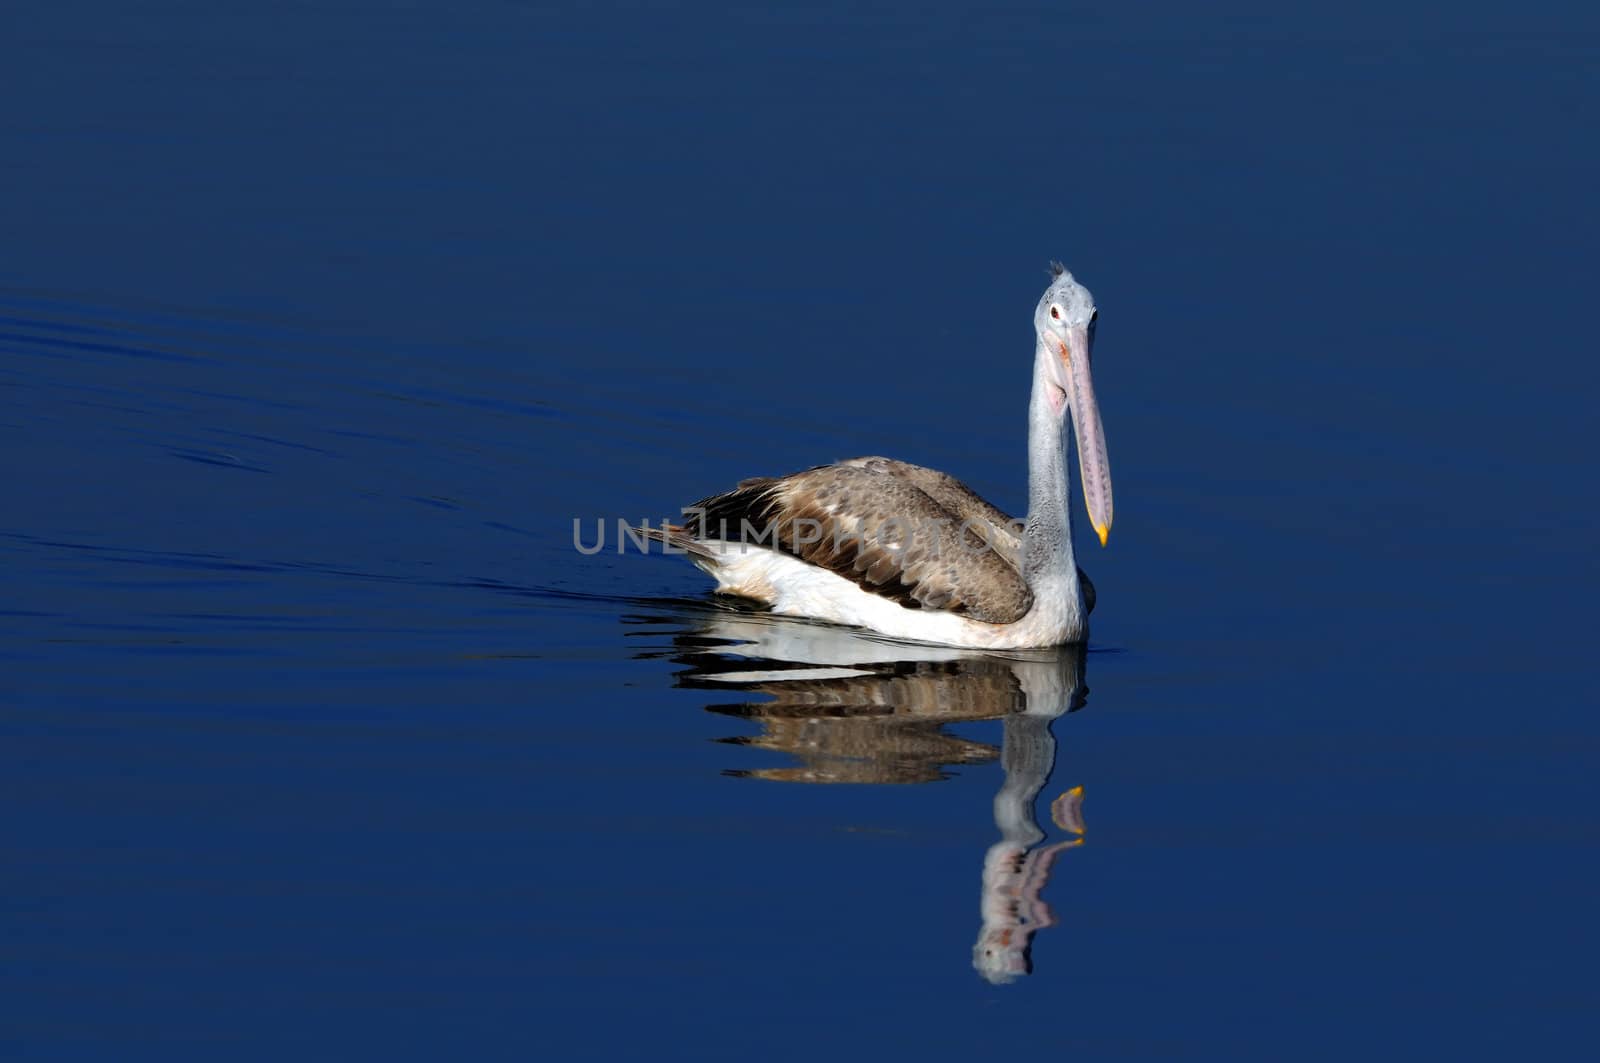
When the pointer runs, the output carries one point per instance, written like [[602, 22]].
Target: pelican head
[[1064, 322]]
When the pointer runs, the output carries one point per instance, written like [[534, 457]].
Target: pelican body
[[913, 553]]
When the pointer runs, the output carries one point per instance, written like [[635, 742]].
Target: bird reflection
[[848, 707]]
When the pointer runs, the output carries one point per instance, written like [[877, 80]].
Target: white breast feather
[[793, 587]]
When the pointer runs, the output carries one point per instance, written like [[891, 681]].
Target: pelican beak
[[1093, 467]]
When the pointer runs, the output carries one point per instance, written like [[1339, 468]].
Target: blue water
[[321, 323]]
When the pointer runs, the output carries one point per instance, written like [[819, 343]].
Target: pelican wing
[[878, 528], [1003, 532]]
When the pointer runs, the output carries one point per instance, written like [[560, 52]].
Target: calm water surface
[[320, 323]]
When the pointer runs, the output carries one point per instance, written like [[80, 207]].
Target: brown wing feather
[[1002, 531], [878, 529]]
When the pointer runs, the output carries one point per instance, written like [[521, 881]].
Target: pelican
[[912, 553]]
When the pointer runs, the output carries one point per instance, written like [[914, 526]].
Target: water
[[321, 324]]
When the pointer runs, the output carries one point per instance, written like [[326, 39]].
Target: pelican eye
[[1055, 312]]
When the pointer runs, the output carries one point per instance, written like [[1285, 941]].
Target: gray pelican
[[913, 553]]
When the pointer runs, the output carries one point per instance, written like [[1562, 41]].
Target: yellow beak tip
[[1104, 533]]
